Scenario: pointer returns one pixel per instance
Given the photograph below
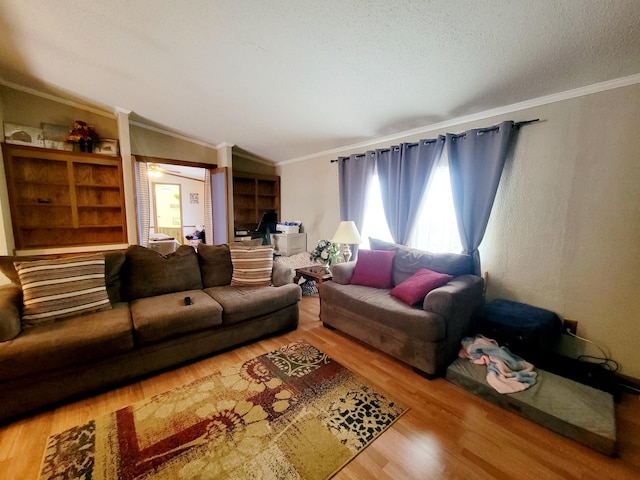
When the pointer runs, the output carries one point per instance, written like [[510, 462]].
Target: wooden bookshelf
[[252, 195], [60, 198]]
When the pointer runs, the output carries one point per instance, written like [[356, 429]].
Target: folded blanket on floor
[[506, 372]]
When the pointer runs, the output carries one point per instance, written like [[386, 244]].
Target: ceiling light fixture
[[154, 172]]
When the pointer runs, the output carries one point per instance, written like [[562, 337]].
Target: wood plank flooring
[[447, 433]]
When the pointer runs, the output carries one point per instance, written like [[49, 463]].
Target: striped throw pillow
[[65, 287], [252, 266]]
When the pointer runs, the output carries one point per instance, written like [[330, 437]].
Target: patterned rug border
[[353, 440]]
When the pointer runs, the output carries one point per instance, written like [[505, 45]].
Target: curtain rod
[[495, 127], [483, 130]]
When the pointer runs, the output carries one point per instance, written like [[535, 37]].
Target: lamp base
[[346, 252]]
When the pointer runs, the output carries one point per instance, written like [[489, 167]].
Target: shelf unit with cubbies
[[253, 194], [61, 199]]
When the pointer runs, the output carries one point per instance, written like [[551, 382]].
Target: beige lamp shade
[[347, 233]]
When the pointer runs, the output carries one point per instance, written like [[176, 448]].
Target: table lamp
[[347, 234]]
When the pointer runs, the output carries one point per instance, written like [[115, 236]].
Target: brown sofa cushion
[[147, 273], [113, 262], [409, 260], [252, 266], [243, 303], [8, 268], [165, 316], [10, 299], [215, 265], [390, 313], [216, 268], [62, 288], [72, 341]]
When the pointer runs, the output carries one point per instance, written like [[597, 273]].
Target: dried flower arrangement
[[81, 131]]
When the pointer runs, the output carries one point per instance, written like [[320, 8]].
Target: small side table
[[314, 272]]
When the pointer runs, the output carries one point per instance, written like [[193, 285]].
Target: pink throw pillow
[[416, 287], [374, 268]]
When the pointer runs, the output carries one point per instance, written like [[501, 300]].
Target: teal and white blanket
[[506, 372]]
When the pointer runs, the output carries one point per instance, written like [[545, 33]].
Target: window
[[436, 229], [375, 223]]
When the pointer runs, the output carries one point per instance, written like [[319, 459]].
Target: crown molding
[[172, 134], [116, 111], [54, 98], [258, 160], [121, 110], [535, 102], [252, 157]]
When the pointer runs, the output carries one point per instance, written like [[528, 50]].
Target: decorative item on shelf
[[82, 136], [55, 136], [106, 146], [23, 135], [347, 234], [326, 252], [288, 227]]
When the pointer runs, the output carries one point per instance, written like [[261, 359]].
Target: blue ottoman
[[527, 331]]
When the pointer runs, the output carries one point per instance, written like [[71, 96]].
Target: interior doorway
[[204, 194], [167, 205]]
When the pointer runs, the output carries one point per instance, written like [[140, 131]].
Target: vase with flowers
[[82, 136], [326, 252]]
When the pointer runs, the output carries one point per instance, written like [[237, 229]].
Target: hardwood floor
[[447, 433]]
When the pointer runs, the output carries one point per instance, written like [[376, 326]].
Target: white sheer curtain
[[208, 207], [375, 222], [436, 227], [143, 202]]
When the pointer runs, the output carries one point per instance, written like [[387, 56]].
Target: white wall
[[309, 192], [565, 228]]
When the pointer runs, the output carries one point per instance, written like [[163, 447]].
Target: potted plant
[[326, 252]]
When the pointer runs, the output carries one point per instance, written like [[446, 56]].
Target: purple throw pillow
[[374, 268], [416, 287]]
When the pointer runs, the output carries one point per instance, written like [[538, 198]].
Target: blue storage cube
[[527, 331]]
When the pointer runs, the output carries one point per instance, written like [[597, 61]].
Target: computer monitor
[[267, 226], [268, 222]]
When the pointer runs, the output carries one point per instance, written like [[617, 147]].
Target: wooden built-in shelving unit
[[60, 198], [252, 195]]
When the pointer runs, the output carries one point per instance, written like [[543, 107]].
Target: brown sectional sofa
[[426, 336], [148, 328]]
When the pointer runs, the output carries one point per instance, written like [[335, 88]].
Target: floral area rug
[[293, 413]]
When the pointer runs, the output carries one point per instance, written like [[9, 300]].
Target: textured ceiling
[[286, 79]]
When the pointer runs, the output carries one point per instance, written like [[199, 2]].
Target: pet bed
[[572, 409]]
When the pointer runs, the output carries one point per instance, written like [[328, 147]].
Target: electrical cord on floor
[[605, 361]]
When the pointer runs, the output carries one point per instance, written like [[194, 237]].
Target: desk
[[315, 272]]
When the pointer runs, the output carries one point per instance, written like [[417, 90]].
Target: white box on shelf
[[286, 229]]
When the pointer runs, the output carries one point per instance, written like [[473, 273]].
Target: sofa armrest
[[464, 289], [456, 301], [281, 275], [10, 307], [342, 272]]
